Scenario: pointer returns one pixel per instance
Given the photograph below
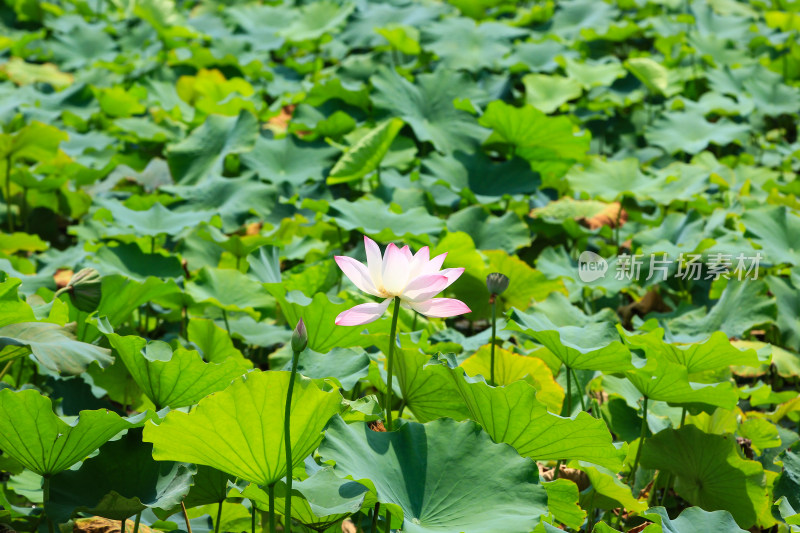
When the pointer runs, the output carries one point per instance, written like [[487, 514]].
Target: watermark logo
[[591, 267]]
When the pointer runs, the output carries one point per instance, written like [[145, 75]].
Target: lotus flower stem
[[216, 524], [641, 443], [252, 516], [390, 362], [271, 492], [45, 499], [375, 513], [494, 335], [186, 517], [575, 375], [388, 527], [299, 343], [139, 519]]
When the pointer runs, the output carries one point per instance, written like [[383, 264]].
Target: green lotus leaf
[[12, 308], [427, 106], [710, 473], [677, 131], [548, 92], [239, 430], [511, 367], [551, 144], [507, 233], [33, 435], [202, 153], [289, 160], [610, 491], [366, 154], [229, 290], [157, 220], [562, 500], [119, 482], [53, 346], [324, 499], [444, 475], [775, 231], [315, 20], [345, 365], [692, 520], [121, 296], [715, 353], [601, 73], [379, 220], [173, 379], [787, 487], [129, 260], [652, 74], [461, 44], [665, 381], [592, 346], [214, 343]]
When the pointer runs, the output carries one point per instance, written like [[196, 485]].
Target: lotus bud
[[85, 289], [497, 283], [299, 337]]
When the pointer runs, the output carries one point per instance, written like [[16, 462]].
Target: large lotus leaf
[[788, 484], [562, 500], [550, 144], [214, 343], [460, 43], [609, 487], [575, 16], [121, 296], [444, 475], [726, 315], [772, 96], [592, 346], [511, 367], [229, 290], [33, 435], [240, 430], [289, 160], [234, 199], [366, 154], [710, 473], [678, 131], [548, 92], [315, 20], [158, 220], [691, 520], [209, 485], [53, 346], [203, 152], [346, 366], [319, 315], [427, 107], [715, 353], [486, 178], [775, 230], [173, 379], [669, 382], [600, 73], [377, 219], [119, 482], [319, 501], [488, 232], [129, 260], [513, 415]]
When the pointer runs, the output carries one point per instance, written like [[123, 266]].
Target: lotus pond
[[474, 266]]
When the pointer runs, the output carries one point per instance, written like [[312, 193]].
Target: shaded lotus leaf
[[610, 491], [157, 220], [33, 435], [229, 290], [289, 160], [203, 152], [444, 475], [239, 431], [53, 346], [119, 482], [562, 500], [319, 501], [173, 379], [710, 473], [380, 221]]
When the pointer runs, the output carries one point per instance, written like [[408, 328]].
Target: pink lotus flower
[[415, 279]]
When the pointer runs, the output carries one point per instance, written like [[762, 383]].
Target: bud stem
[[641, 444], [288, 443], [390, 362], [494, 332]]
